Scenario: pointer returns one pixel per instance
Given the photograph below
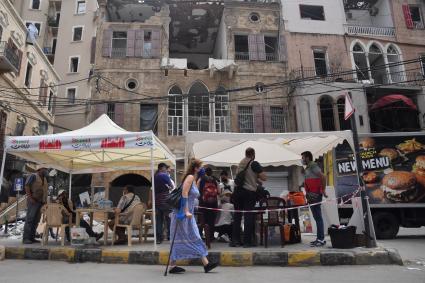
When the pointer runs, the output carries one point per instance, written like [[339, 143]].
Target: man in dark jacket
[[245, 197], [163, 185]]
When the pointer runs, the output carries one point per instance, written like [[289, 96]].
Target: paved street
[[410, 244], [47, 272]]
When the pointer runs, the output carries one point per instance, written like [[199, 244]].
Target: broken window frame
[[175, 111], [147, 43], [321, 69], [418, 23], [327, 123], [362, 73], [308, 15], [28, 75], [81, 7], [71, 93], [110, 111], [241, 55], [118, 37], [245, 119], [272, 56], [199, 110], [75, 33], [74, 64], [221, 110]]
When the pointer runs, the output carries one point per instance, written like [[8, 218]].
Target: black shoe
[[120, 242], [234, 245], [158, 242], [176, 270], [210, 266], [99, 236], [27, 242], [35, 241]]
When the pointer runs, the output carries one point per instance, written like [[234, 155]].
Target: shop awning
[[392, 98]]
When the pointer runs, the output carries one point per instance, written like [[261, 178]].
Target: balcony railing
[[9, 59], [326, 75], [118, 52], [271, 57], [242, 56], [53, 22], [368, 30]]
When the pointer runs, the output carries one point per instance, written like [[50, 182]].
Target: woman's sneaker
[[176, 270], [319, 243]]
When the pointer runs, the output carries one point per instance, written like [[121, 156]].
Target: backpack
[[240, 177], [292, 234], [210, 192]]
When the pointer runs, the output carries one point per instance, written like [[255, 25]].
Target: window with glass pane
[[73, 67], [111, 111], [81, 7], [199, 108], [222, 117], [78, 34], [246, 119], [320, 62], [175, 112], [35, 4], [119, 44], [277, 119]]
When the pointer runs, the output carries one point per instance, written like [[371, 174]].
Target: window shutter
[[261, 47], [119, 114], [99, 109], [107, 43], [138, 47], [131, 37], [283, 55], [407, 16], [93, 50], [156, 43], [258, 119], [252, 47], [267, 120]]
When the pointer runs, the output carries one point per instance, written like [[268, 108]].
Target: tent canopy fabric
[[392, 98], [101, 146], [283, 149]]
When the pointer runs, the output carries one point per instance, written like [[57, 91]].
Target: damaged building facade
[[190, 66], [375, 49]]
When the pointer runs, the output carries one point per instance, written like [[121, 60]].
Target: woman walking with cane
[[187, 241]]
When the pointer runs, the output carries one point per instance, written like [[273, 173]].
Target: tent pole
[[70, 187], [3, 162], [153, 202]]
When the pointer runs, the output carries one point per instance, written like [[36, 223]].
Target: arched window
[[396, 71], [222, 117], [377, 65], [343, 124], [327, 113], [175, 112], [198, 108], [360, 62]]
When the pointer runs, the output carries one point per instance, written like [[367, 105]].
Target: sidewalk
[[291, 255]]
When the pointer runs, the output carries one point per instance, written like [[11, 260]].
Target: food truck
[[394, 177]]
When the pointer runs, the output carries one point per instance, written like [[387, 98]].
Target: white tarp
[[283, 149], [99, 147]]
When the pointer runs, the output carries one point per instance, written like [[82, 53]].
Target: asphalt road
[[410, 243]]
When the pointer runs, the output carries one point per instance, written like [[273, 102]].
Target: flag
[[349, 108]]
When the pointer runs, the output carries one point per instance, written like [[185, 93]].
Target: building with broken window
[[178, 66], [374, 49]]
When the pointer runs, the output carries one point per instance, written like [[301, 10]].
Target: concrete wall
[[334, 17], [382, 19], [64, 50]]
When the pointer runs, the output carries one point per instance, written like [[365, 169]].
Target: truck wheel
[[386, 225]]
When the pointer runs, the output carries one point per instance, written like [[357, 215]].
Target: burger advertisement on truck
[[393, 169]]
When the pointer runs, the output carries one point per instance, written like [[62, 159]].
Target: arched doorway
[[141, 184], [199, 108]]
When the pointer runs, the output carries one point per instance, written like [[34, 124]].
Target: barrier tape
[[351, 195]]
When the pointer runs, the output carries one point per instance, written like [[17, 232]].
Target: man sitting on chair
[[67, 203], [126, 204]]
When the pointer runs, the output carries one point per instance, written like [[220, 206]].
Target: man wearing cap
[[163, 185], [36, 189]]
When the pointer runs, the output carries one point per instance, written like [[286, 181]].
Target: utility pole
[[370, 237]]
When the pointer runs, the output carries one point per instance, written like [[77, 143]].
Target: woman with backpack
[[187, 243]]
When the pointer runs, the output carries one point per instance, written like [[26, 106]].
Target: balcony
[[325, 75], [369, 31], [9, 59], [243, 56], [118, 52], [53, 22]]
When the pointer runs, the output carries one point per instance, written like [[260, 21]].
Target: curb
[[360, 256]]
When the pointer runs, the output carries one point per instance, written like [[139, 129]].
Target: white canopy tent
[[282, 149], [101, 146]]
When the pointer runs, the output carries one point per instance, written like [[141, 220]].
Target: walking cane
[[171, 248]]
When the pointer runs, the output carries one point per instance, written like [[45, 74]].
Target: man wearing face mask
[[36, 188]]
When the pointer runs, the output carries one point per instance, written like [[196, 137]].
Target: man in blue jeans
[[315, 185], [163, 185]]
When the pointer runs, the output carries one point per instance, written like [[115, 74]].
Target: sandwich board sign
[[19, 184]]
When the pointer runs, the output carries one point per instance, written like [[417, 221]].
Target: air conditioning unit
[[373, 11], [349, 15]]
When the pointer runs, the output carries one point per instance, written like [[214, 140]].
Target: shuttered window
[[407, 16]]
